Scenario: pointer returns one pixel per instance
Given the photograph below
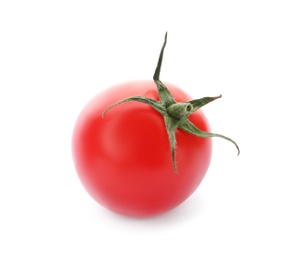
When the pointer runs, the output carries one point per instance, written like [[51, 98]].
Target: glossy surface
[[123, 160]]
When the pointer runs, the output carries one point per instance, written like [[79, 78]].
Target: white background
[[56, 55]]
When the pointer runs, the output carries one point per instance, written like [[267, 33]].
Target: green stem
[[179, 110], [175, 114], [158, 68]]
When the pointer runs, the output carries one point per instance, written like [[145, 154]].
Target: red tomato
[[124, 161], [129, 161]]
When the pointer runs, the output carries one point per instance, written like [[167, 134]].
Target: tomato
[[151, 150], [123, 160]]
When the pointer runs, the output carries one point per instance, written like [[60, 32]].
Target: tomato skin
[[124, 161]]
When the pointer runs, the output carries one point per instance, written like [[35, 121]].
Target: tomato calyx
[[175, 113]]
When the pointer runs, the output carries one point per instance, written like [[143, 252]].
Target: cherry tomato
[[151, 150], [123, 160]]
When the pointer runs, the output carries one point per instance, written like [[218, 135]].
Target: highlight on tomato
[[142, 148]]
